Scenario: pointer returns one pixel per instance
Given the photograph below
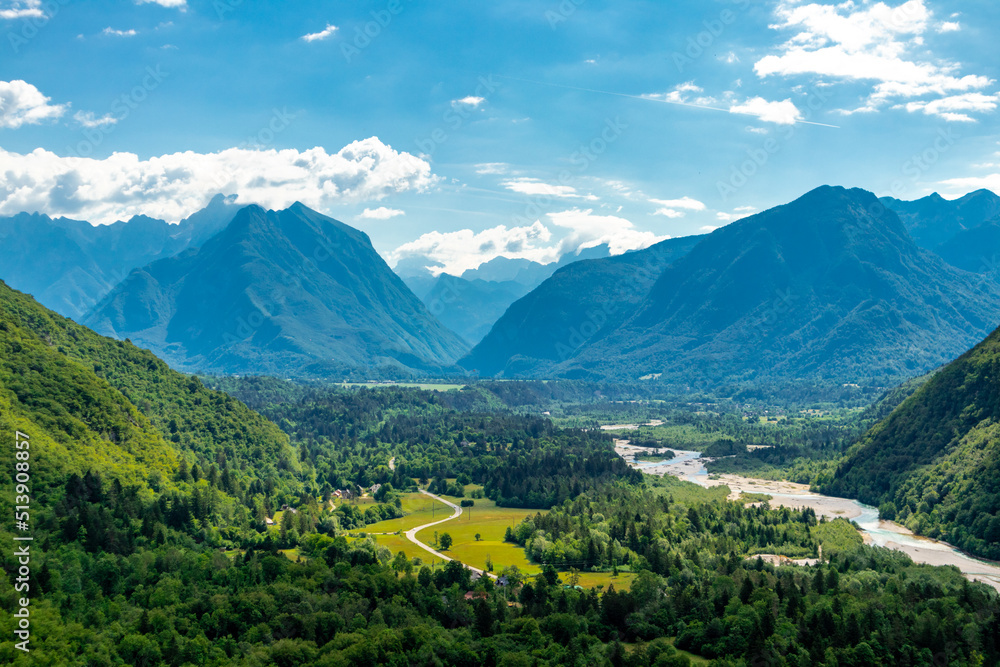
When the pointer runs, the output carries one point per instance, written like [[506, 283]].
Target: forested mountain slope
[[934, 463]]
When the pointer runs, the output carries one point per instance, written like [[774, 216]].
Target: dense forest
[[934, 463], [151, 496]]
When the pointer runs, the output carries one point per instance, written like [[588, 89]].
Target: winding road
[[411, 534]]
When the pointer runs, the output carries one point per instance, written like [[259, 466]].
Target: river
[[689, 465]]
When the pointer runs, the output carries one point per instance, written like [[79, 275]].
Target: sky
[[459, 132]]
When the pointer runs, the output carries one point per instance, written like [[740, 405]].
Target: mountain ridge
[[829, 287], [293, 292]]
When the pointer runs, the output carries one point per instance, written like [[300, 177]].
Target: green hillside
[[98, 404], [934, 463]]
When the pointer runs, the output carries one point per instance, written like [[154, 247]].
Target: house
[[465, 443], [476, 595], [268, 521], [286, 508], [375, 488]]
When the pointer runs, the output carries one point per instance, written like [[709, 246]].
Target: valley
[[690, 466], [505, 334]]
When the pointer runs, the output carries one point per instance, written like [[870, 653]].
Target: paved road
[[411, 534]]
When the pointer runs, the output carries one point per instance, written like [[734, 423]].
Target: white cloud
[[675, 208], [326, 32], [170, 4], [708, 229], [684, 93], [23, 104], [455, 252], [869, 42], [949, 26], [27, 9], [957, 187], [470, 101], [171, 186], [496, 168], [952, 108], [89, 120], [588, 230], [533, 187], [782, 113], [381, 213], [111, 32]]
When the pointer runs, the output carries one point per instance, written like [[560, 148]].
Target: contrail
[[650, 99]]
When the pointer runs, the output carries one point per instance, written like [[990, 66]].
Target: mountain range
[[963, 231], [578, 303], [290, 292], [69, 265], [470, 303], [830, 287]]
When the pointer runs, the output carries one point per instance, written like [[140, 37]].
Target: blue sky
[[460, 131]]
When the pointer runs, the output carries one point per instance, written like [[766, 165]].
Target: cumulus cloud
[[954, 108], [90, 120], [957, 187], [23, 104], [455, 252], [782, 113], [587, 230], [685, 93], [676, 208], [26, 9], [170, 4], [534, 187], [326, 32], [470, 101], [171, 186], [381, 213], [949, 26], [111, 32], [738, 213], [866, 43]]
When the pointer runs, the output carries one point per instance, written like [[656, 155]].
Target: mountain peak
[[288, 292]]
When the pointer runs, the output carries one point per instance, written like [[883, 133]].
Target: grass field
[[485, 518], [491, 522], [418, 508]]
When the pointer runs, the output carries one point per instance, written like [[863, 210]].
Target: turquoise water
[[882, 533]]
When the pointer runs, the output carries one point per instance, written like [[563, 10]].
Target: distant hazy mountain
[[289, 292], [581, 301], [830, 287], [976, 249], [934, 463], [470, 307], [68, 265], [469, 304], [934, 220], [526, 272]]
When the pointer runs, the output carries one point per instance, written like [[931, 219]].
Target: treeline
[[648, 529], [346, 437], [934, 463], [346, 604]]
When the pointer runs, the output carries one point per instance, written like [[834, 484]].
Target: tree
[[478, 537], [445, 541]]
